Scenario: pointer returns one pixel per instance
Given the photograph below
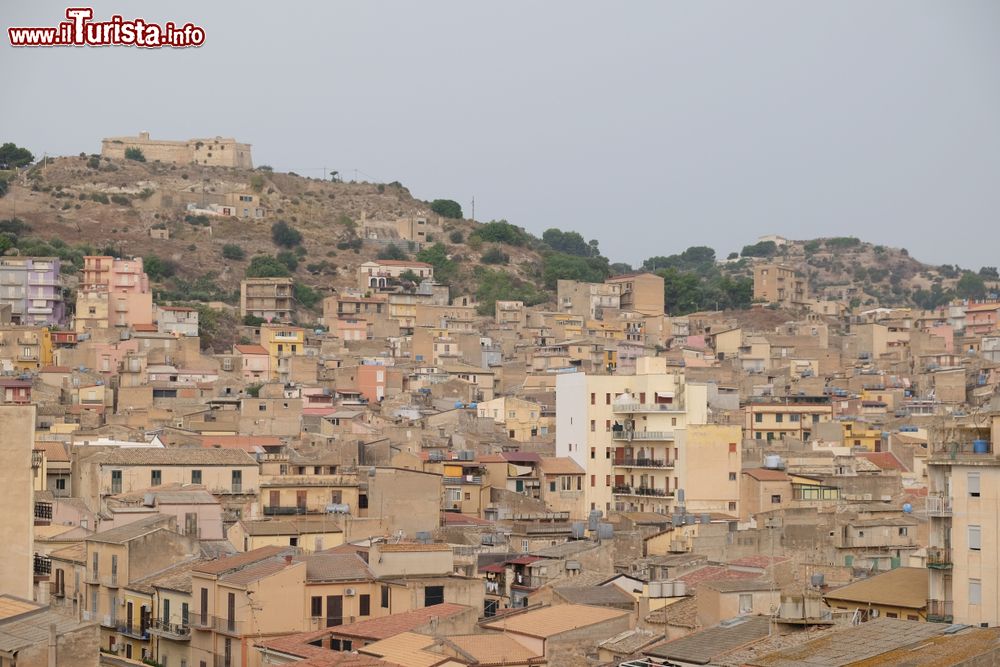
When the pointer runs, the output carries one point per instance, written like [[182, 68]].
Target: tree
[[501, 231], [989, 272], [13, 156], [571, 243], [437, 256], [392, 251], [4, 186], [233, 251], [499, 285], [761, 249], [970, 286], [456, 237], [409, 276], [285, 235], [558, 266], [618, 268], [266, 266], [289, 259], [306, 296], [135, 153], [495, 256], [157, 268], [447, 208]]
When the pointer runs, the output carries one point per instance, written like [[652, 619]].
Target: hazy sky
[[651, 126]]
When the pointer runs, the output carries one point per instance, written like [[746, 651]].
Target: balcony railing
[[629, 436], [283, 510], [629, 408], [644, 463], [42, 566], [169, 630], [940, 611], [939, 505], [939, 558], [43, 512], [464, 479], [133, 631], [640, 491]]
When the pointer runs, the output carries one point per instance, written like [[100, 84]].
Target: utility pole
[[473, 208]]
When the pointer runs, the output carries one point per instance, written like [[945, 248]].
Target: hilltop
[[74, 205]]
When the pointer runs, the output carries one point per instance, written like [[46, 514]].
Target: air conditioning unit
[[350, 592]]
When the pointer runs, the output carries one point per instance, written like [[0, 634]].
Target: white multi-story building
[[645, 438]]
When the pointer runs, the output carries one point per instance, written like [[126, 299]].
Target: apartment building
[[645, 439], [588, 300], [282, 342], [962, 505], [779, 284], [522, 420], [380, 273], [25, 348], [777, 418], [114, 293], [270, 299], [177, 320], [510, 315], [640, 292], [31, 287]]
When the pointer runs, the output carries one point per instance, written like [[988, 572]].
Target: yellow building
[[26, 348], [859, 434], [522, 420], [282, 342], [779, 284], [777, 418], [898, 593]]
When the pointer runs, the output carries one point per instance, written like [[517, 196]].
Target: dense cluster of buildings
[[409, 482]]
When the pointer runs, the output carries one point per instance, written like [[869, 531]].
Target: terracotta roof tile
[[242, 560], [387, 626]]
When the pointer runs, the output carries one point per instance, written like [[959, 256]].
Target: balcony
[[641, 491], [629, 436], [939, 505], [939, 558], [283, 510], [133, 631], [939, 611], [632, 408], [110, 622], [643, 463], [42, 566], [175, 631], [464, 479]]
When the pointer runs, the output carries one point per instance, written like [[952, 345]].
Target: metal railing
[[939, 505], [640, 491], [939, 557], [464, 479], [641, 435], [281, 510], [646, 407], [134, 631], [644, 463], [158, 626], [940, 611]]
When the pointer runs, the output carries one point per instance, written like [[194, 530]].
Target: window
[[316, 606], [732, 506], [384, 601], [155, 478], [365, 605], [891, 614], [815, 419], [237, 478], [975, 538], [593, 398], [793, 417], [746, 603], [593, 480], [973, 482], [778, 417], [759, 417], [116, 481], [196, 477], [732, 448], [334, 610], [776, 499], [975, 591], [593, 450], [732, 477], [204, 606], [607, 426], [607, 399], [904, 531], [433, 595], [185, 613], [593, 425]]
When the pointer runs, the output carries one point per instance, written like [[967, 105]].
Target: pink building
[[255, 362], [981, 318], [129, 300]]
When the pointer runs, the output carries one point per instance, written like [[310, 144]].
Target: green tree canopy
[[501, 231], [970, 286], [13, 156], [266, 266], [436, 255], [447, 208], [571, 243], [285, 235], [392, 251]]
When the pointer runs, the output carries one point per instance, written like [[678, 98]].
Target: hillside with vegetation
[[313, 232]]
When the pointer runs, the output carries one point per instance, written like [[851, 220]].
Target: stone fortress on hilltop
[[216, 152]]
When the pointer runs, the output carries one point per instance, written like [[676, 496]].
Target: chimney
[[288, 559]]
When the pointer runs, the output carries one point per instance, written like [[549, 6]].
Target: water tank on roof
[[458, 405], [907, 508], [680, 588], [423, 536], [655, 589], [817, 580], [980, 446], [680, 496], [605, 531], [594, 518], [689, 519], [579, 530], [667, 587], [148, 500], [473, 406], [772, 462]]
